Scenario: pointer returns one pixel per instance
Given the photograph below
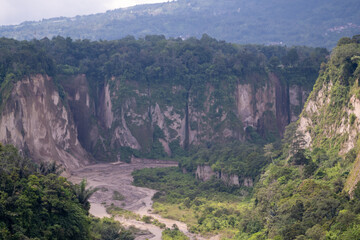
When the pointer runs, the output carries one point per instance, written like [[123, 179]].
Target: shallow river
[[112, 177]]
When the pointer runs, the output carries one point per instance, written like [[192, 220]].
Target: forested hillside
[[36, 203], [150, 97], [310, 187], [299, 22]]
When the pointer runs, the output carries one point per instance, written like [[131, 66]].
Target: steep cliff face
[[36, 121], [122, 116], [125, 115], [139, 117], [155, 97], [330, 119]]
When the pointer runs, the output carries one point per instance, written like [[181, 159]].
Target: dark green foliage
[[109, 229], [167, 72], [37, 206], [46, 168], [178, 186], [245, 160], [35, 203], [176, 149], [212, 202], [24, 58], [315, 23], [310, 168], [173, 234], [83, 194], [352, 118], [152, 59], [299, 158]]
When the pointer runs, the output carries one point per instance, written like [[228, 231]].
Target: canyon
[[75, 130]]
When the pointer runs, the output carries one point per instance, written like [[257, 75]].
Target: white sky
[[17, 11]]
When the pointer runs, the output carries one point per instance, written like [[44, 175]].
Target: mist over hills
[[298, 22]]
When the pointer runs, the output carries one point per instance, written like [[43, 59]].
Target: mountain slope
[[151, 97], [311, 190], [299, 22], [331, 116]]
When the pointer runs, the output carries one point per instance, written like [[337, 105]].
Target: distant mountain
[[296, 22]]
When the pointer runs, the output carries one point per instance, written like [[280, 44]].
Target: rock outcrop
[[129, 120], [205, 173], [330, 119], [36, 121], [107, 123]]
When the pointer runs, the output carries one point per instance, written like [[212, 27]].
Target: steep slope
[[262, 21], [36, 121], [330, 119], [157, 96], [150, 98], [311, 189]]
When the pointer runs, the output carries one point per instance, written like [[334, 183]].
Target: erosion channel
[[116, 177]]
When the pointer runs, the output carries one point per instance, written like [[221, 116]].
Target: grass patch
[[118, 196], [206, 207], [117, 211]]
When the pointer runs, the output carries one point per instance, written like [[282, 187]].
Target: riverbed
[[116, 177]]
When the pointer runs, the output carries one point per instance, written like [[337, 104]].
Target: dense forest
[[155, 59], [317, 23], [37, 203]]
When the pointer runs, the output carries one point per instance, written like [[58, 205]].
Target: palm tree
[[83, 194], [47, 168]]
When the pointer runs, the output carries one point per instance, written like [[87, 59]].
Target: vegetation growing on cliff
[[188, 76], [301, 193]]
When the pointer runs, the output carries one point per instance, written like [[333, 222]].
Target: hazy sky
[[17, 11]]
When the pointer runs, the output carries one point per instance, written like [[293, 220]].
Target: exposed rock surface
[[205, 173], [186, 118], [328, 123], [108, 120], [36, 121]]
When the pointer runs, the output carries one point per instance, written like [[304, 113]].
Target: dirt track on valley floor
[[111, 177]]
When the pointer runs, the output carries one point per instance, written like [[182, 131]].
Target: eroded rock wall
[[205, 173], [128, 118], [36, 121], [108, 120]]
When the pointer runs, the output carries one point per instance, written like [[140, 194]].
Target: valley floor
[[114, 180]]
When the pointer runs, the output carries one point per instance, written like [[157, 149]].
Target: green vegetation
[[173, 234], [301, 193], [144, 70], [118, 196], [242, 159], [206, 207], [315, 23], [109, 229], [117, 211], [83, 193], [36, 203], [339, 79]]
